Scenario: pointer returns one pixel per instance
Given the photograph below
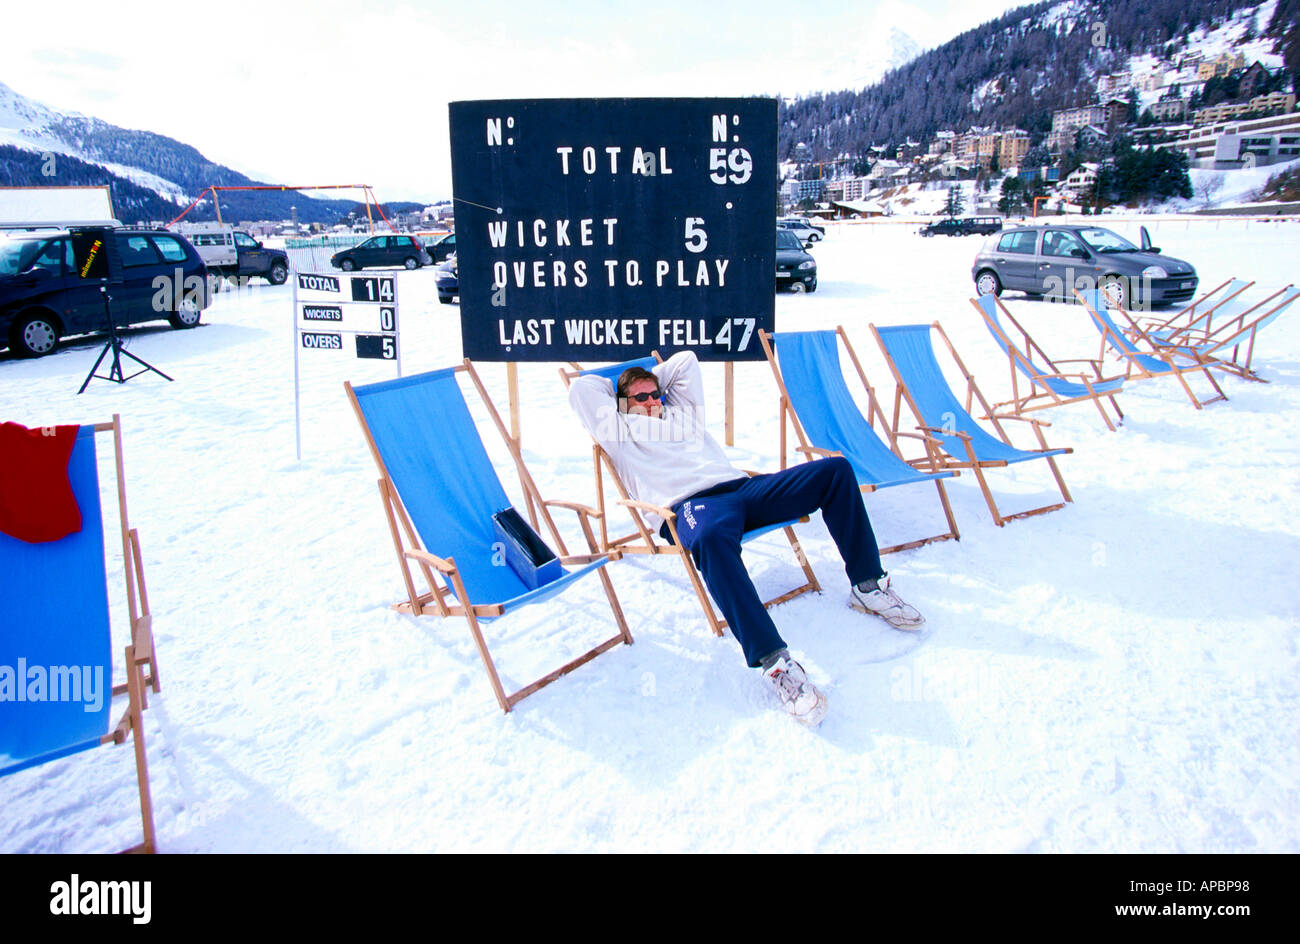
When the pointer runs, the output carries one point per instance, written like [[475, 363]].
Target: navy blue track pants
[[711, 524]]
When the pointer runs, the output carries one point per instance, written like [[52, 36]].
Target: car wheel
[[278, 274], [814, 237], [1116, 290], [411, 262], [798, 288], [812, 286], [988, 283], [445, 299], [186, 315], [34, 335], [347, 265]]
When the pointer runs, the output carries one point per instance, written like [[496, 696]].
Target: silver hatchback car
[[1052, 260]]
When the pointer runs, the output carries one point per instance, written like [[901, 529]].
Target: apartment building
[[1220, 65], [1230, 144], [1272, 102]]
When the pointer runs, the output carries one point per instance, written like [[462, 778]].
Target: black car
[[964, 226], [446, 280], [256, 259], [382, 251], [948, 227], [795, 268], [149, 276], [441, 247]]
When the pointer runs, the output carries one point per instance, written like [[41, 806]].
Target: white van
[[214, 242]]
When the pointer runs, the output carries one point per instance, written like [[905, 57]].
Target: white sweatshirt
[[663, 459]]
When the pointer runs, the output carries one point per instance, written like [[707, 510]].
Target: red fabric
[[36, 500]]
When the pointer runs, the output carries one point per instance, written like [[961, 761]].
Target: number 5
[[718, 165], [696, 238]]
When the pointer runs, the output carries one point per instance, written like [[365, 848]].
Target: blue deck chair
[[827, 421], [1048, 385], [440, 494], [1139, 363], [920, 381], [1231, 345], [56, 664], [1226, 300], [643, 540]]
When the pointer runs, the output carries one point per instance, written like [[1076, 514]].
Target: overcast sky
[[357, 92]]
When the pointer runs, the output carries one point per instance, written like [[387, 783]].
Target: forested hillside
[[1013, 72]]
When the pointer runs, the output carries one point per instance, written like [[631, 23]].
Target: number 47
[[724, 333]]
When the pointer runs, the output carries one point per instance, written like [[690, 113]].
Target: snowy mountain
[[152, 175], [864, 58]]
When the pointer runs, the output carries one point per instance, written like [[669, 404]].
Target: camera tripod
[[114, 344]]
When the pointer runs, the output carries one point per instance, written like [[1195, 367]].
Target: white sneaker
[[800, 697], [886, 604]]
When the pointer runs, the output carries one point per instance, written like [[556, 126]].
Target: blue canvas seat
[[966, 445], [1048, 386], [56, 664], [827, 421], [440, 493], [643, 539], [1142, 356]]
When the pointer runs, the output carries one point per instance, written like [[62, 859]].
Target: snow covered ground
[[1118, 676]]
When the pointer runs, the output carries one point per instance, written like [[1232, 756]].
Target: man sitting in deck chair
[[652, 426]]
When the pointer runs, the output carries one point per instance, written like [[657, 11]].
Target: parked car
[[963, 226], [1052, 260], [946, 227], [796, 269], [441, 247], [230, 254], [814, 224], [446, 280], [382, 251], [805, 231], [150, 275]]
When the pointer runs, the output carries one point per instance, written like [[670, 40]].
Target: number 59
[[738, 162]]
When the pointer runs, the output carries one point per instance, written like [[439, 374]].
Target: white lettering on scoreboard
[[614, 223], [318, 283], [321, 341]]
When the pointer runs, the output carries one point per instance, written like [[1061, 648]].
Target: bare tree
[[1210, 187]]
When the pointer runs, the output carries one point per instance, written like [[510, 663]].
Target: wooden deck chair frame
[[1209, 347], [443, 579], [874, 414], [1134, 366], [1198, 315], [642, 540], [140, 658], [970, 460], [1040, 395]]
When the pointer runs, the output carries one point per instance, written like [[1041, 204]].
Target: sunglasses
[[643, 397]]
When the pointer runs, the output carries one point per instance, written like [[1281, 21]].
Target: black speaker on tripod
[[94, 250]]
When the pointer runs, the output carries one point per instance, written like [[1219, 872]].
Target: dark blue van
[[50, 284]]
